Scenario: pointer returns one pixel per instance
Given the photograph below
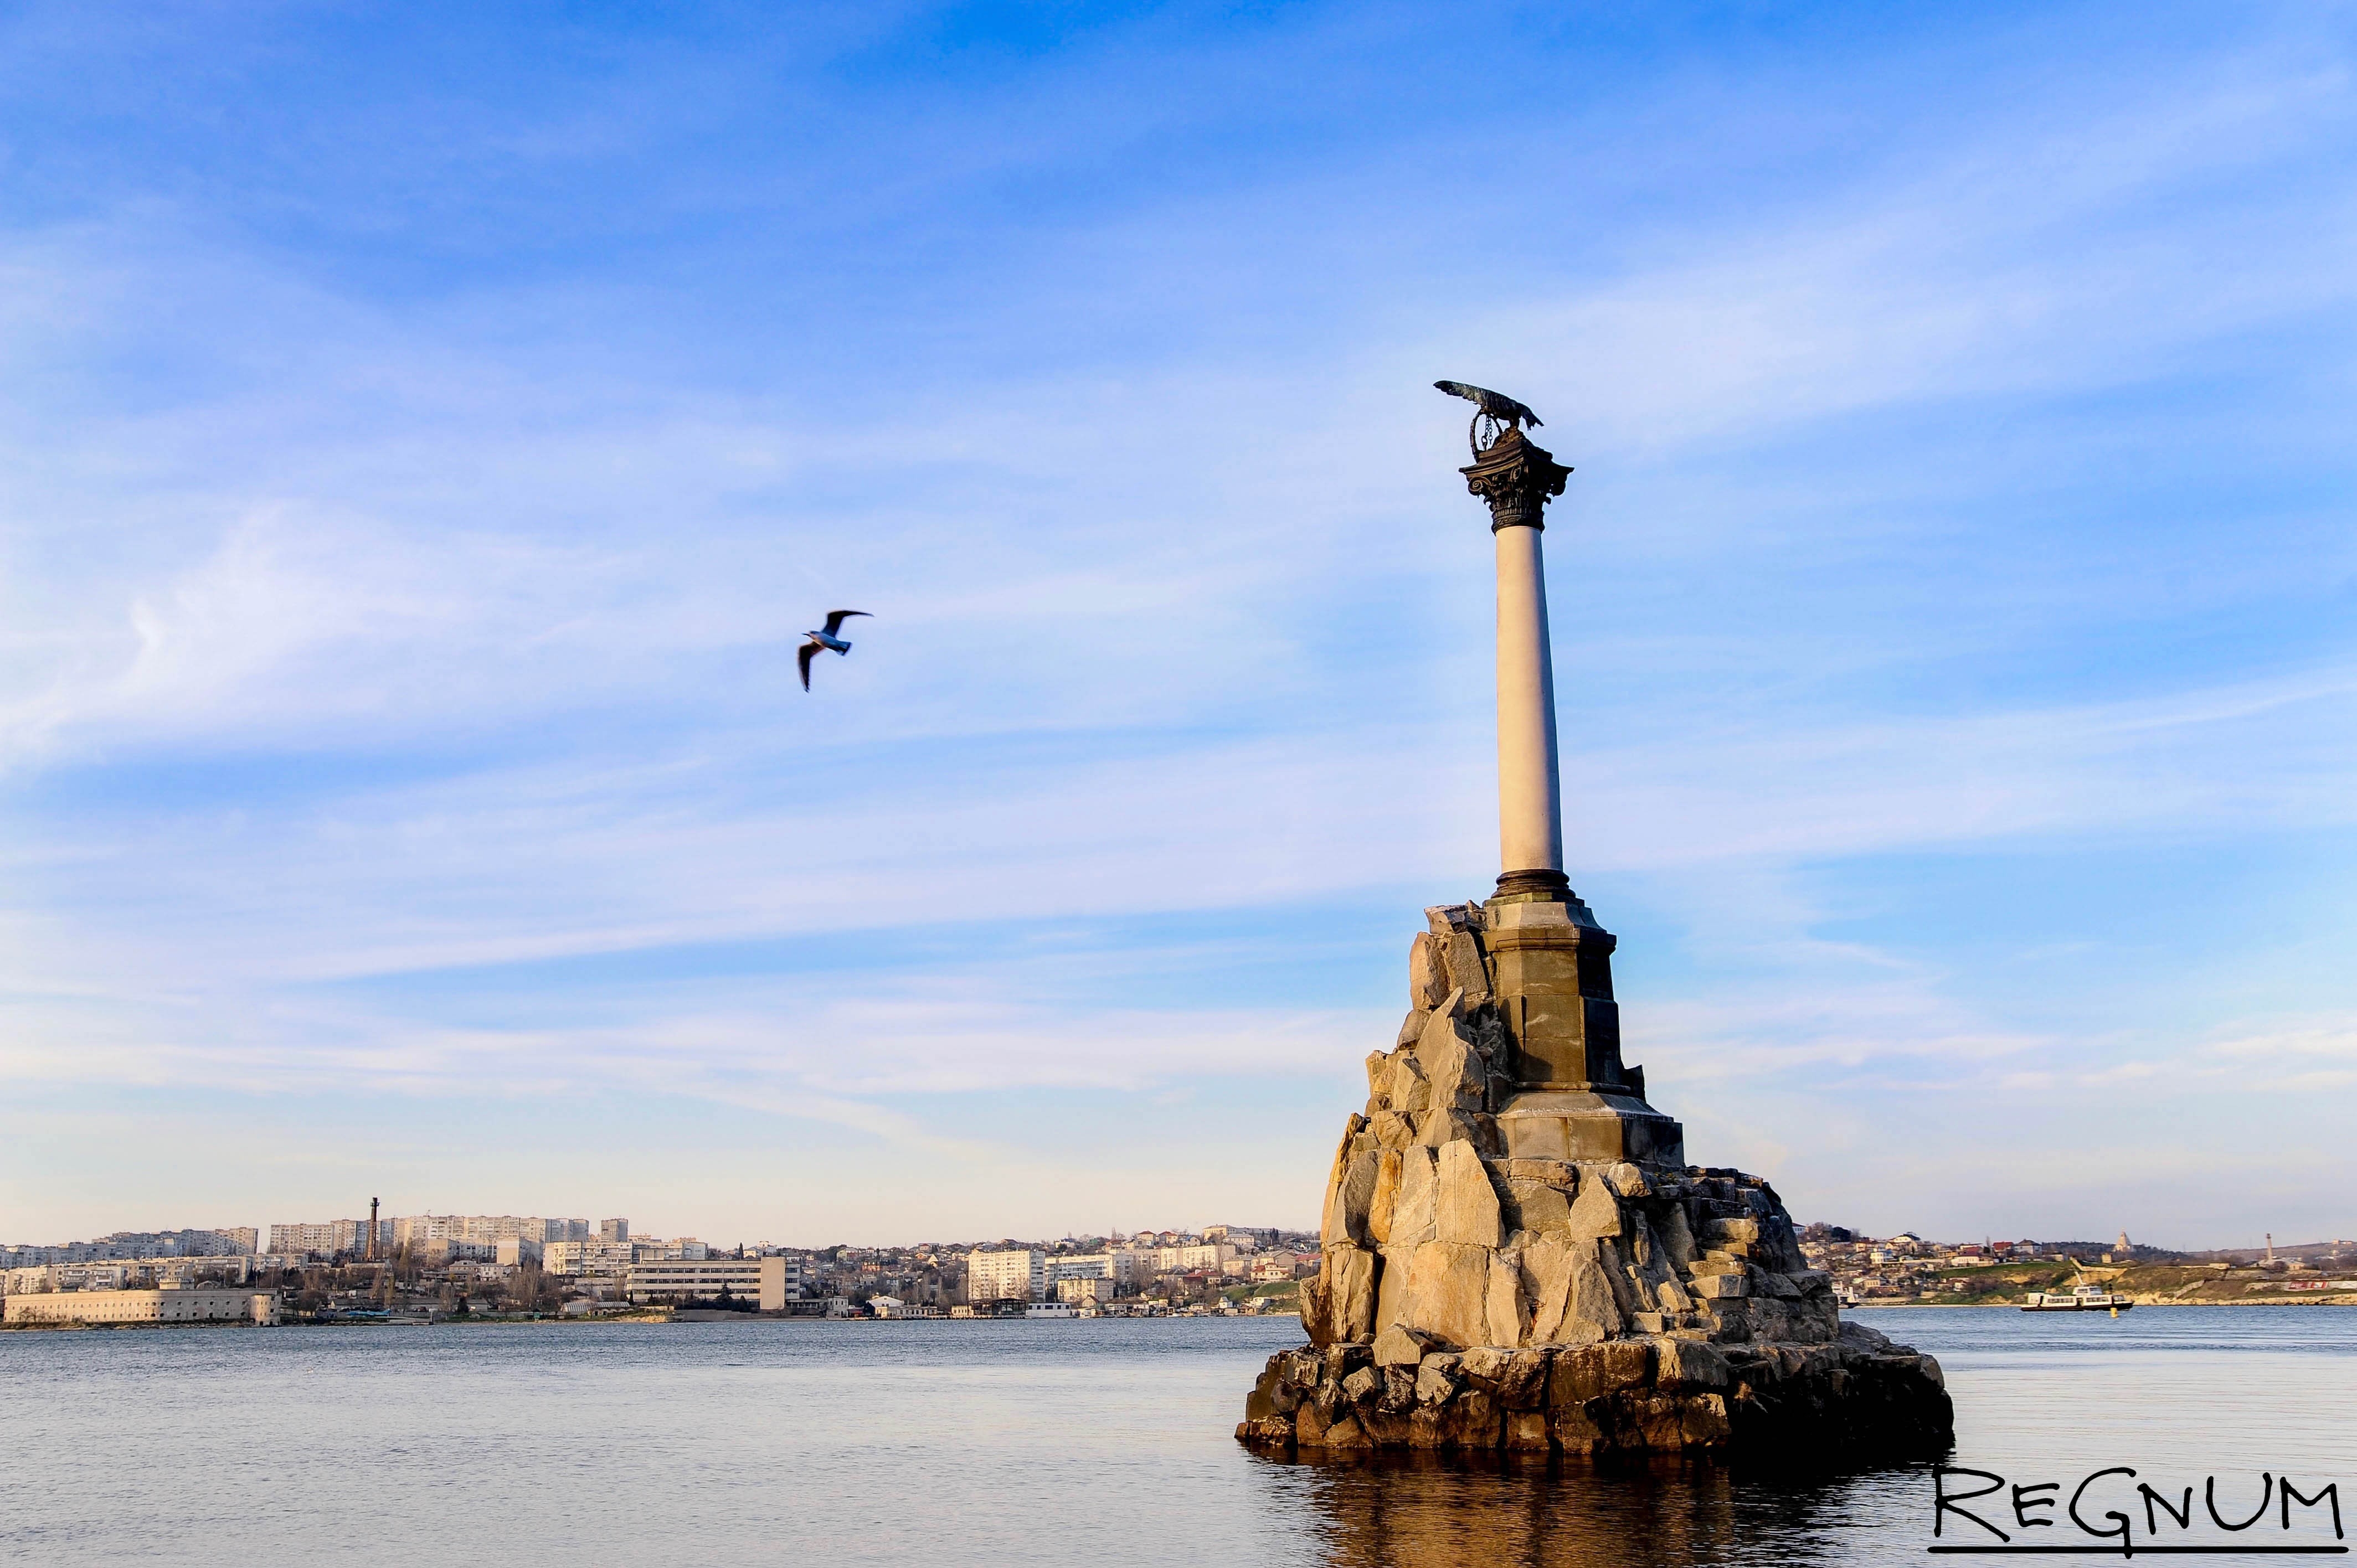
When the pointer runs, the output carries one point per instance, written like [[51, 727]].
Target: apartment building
[[1015, 1273], [609, 1260]]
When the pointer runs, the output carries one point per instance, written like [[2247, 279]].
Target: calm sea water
[[1098, 1443]]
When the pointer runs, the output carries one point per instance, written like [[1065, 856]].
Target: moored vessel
[[2080, 1298]]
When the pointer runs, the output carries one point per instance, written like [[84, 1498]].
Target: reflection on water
[[2181, 1395], [1431, 1513]]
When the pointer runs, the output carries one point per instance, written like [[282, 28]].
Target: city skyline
[[448, 425]]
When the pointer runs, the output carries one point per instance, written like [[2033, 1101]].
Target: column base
[[1603, 1123], [1534, 888]]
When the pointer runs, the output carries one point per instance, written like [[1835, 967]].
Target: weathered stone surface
[[1466, 970], [1406, 1087], [1414, 1209], [1534, 1205], [1546, 1267], [1459, 1078], [1465, 1207], [1411, 1028], [1391, 1287], [1591, 1371], [1350, 1301], [1393, 1130], [1400, 1346], [1346, 1201], [1596, 1212], [1593, 1311], [1381, 1202], [1449, 1292], [1684, 1364], [1427, 970], [1626, 1179], [1508, 1313], [1437, 1127], [1677, 1235]]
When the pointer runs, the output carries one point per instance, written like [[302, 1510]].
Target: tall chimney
[[371, 1244]]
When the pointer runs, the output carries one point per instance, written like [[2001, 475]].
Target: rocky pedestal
[[1517, 1256]]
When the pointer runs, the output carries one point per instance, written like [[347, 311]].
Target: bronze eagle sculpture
[[1496, 405]]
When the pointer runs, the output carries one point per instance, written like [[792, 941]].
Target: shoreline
[[2347, 1300]]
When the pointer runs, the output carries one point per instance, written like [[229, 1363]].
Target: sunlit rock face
[[1517, 1255]]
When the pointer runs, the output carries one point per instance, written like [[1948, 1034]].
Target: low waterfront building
[[134, 1306], [701, 1279]]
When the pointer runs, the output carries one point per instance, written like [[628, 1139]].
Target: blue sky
[[428, 432]]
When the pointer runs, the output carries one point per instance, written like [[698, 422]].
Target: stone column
[[1517, 479], [1551, 962], [1530, 790]]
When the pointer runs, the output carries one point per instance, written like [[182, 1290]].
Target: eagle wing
[[835, 620], [804, 658], [1496, 405]]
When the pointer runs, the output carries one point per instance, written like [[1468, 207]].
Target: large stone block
[[1596, 1212], [1589, 1128], [1437, 1127], [1316, 1320], [1535, 1206], [1347, 1201], [1406, 1086], [1459, 1078], [1427, 970], [1546, 1267], [1465, 1207], [1508, 1310], [1380, 1203], [1350, 1302], [1677, 1237], [1449, 1292], [1595, 1311], [1466, 970], [1414, 1211], [1391, 1287], [1593, 1372]]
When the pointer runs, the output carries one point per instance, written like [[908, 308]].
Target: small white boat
[[2081, 1298]]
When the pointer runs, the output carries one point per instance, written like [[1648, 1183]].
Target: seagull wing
[[808, 649], [835, 620]]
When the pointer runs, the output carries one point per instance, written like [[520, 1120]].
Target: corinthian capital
[[1517, 479]]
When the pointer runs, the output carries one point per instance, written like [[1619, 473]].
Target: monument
[[1515, 1253]]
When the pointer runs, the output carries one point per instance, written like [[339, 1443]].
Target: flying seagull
[[821, 640], [1496, 405]]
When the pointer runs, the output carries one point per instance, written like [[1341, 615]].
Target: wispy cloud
[[406, 545]]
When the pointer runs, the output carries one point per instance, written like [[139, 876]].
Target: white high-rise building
[[1014, 1274]]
